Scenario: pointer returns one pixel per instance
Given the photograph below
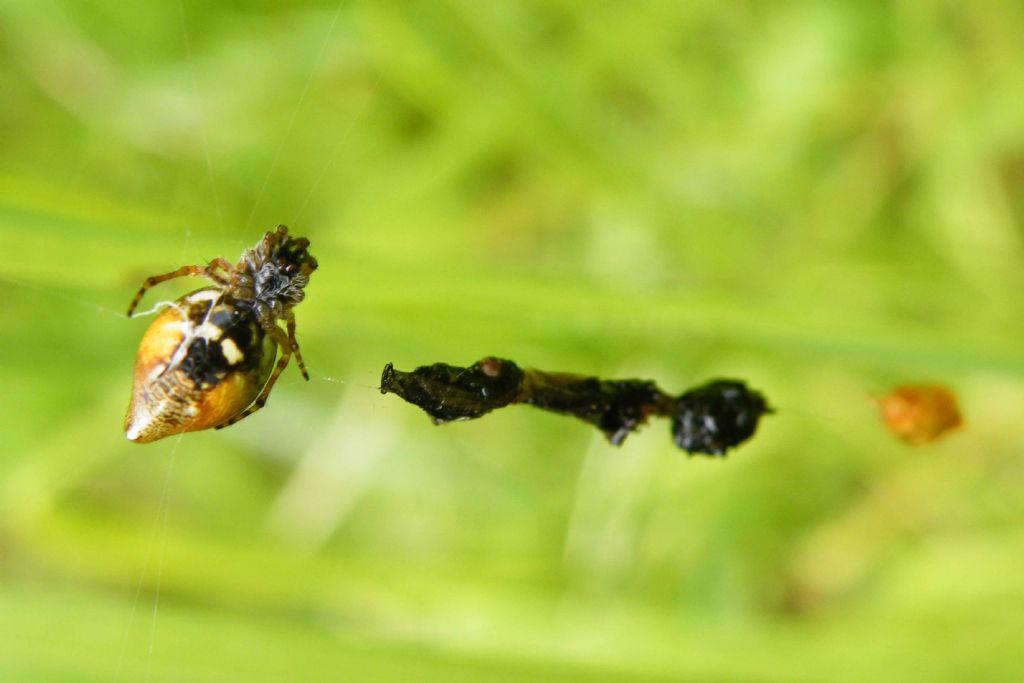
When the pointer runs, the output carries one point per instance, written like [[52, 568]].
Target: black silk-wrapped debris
[[708, 419], [716, 416], [449, 393]]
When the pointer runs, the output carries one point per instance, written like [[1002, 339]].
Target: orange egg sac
[[920, 413]]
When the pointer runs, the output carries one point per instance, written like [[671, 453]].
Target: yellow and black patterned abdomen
[[200, 363]]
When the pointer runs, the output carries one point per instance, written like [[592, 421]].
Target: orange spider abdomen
[[199, 364]]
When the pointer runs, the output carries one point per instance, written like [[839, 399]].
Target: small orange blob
[[919, 413]]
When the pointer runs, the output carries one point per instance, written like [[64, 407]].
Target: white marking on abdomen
[[231, 351], [208, 331]]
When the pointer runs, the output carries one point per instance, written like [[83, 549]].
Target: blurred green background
[[824, 199]]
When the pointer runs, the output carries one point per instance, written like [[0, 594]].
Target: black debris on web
[[448, 393], [709, 419], [712, 418]]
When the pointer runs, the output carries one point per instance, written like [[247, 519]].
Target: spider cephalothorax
[[208, 359], [271, 276]]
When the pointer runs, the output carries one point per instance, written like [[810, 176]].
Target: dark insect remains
[[708, 419], [208, 359]]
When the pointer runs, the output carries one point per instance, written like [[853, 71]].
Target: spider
[[208, 359]]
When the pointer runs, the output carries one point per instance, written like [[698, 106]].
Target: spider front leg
[[208, 271], [286, 353], [290, 321]]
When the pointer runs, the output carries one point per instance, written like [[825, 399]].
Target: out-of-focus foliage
[[824, 199]]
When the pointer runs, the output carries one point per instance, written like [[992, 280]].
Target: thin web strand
[[295, 114], [202, 125], [157, 526], [160, 557], [63, 296]]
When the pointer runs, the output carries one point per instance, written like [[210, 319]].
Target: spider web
[[158, 534], [139, 640]]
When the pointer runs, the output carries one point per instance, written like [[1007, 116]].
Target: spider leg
[[223, 264], [208, 271], [282, 362], [290, 320]]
